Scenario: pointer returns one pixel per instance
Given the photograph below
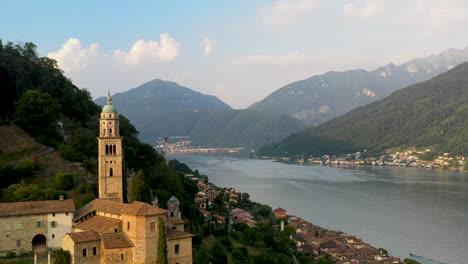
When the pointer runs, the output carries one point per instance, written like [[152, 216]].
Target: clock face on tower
[[110, 154]]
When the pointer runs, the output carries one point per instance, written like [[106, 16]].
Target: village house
[[279, 213]]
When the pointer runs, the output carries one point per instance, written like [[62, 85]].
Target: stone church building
[[105, 230]]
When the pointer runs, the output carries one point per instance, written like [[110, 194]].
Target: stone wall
[[185, 251]]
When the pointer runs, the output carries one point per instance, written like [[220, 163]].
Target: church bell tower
[[110, 154]]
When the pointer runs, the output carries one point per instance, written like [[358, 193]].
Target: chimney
[[61, 197]]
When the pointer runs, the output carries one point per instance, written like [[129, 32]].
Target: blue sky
[[239, 50]]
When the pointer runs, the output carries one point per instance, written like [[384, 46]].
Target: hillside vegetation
[[431, 114], [221, 128]]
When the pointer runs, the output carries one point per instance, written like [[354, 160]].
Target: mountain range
[[160, 109], [323, 97], [432, 114]]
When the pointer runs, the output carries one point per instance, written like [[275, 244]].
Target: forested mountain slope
[[322, 97], [432, 114]]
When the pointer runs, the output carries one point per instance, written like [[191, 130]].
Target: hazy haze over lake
[[403, 210]]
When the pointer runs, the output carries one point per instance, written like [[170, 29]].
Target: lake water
[[404, 210]]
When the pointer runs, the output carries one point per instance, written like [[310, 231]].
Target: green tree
[[23, 192], [162, 244], [288, 231], [138, 188], [466, 166], [64, 181], [36, 113], [265, 210], [62, 257], [411, 261]]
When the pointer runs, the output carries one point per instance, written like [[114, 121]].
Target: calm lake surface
[[404, 210]]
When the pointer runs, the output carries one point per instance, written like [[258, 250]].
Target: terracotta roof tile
[[139, 208], [279, 209], [116, 240], [85, 236], [117, 208], [98, 223], [176, 234], [37, 207], [174, 221]]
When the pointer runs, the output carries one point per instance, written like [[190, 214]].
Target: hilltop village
[[341, 248]]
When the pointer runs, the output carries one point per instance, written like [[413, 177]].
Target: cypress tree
[[139, 189], [162, 244]]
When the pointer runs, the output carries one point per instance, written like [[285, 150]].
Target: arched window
[[172, 214], [110, 131], [104, 131], [110, 172], [115, 152], [107, 149]]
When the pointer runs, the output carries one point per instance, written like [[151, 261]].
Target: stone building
[[105, 230], [25, 226]]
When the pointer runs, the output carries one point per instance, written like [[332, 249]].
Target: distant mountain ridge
[[220, 128], [431, 114], [323, 97], [160, 108], [158, 96]]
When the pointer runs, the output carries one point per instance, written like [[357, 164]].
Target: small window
[[153, 226], [128, 226], [53, 224], [122, 256], [53, 214], [110, 130], [172, 214], [115, 230], [18, 243], [84, 252], [94, 251], [174, 227], [8, 226], [18, 226], [177, 249], [111, 172], [66, 214], [53, 236]]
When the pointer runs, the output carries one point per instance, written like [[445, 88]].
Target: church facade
[[106, 230]]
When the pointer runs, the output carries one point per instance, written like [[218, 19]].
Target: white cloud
[[166, 50], [208, 46], [73, 57], [119, 70], [284, 12], [364, 9]]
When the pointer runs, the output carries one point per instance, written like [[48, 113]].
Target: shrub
[[87, 198], [81, 188], [64, 181], [62, 257]]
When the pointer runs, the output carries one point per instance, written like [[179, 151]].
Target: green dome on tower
[[173, 199], [109, 108]]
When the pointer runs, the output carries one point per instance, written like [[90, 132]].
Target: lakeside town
[[409, 158], [342, 248]]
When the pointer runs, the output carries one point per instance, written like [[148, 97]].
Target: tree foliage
[[138, 189], [162, 244], [64, 181], [62, 256], [36, 113], [22, 192]]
